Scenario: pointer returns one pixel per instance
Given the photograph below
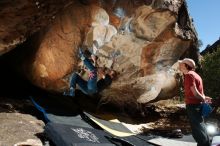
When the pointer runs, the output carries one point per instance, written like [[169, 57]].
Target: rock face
[[16, 126], [144, 38], [21, 18]]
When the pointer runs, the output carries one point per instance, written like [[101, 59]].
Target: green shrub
[[210, 73]]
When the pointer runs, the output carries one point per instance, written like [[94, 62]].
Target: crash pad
[[114, 131], [69, 135]]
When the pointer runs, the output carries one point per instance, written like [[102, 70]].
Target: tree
[[211, 72], [208, 46]]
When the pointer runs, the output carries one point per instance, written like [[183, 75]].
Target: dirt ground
[[172, 115], [20, 120]]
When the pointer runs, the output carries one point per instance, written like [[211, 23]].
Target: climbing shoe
[[71, 92]]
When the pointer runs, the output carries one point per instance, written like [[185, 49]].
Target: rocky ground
[[20, 121]]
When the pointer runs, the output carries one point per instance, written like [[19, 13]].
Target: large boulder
[[145, 38], [21, 18]]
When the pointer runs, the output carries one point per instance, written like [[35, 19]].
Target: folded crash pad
[[60, 125]]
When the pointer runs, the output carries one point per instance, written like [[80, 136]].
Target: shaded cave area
[[13, 83], [15, 88]]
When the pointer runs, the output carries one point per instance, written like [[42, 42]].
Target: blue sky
[[206, 16]]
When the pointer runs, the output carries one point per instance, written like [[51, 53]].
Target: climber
[[92, 86]]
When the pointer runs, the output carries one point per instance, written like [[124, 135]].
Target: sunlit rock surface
[[145, 38], [21, 18]]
